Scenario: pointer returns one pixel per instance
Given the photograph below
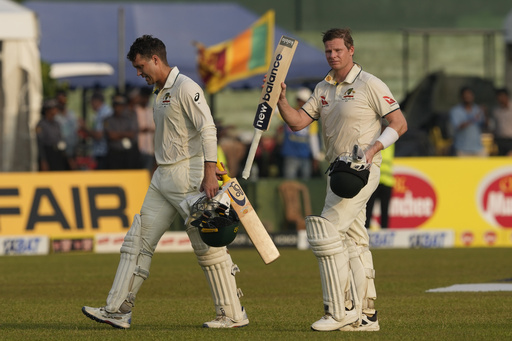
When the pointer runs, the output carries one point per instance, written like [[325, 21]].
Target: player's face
[[337, 54], [145, 68]]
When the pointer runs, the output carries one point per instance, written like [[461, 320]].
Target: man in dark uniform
[[121, 132], [51, 145]]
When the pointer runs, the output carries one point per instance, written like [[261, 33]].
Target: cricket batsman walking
[[186, 154], [351, 104]]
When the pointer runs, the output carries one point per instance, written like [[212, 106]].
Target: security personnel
[[51, 145]]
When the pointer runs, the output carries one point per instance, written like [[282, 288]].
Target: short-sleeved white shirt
[[350, 111], [184, 126]]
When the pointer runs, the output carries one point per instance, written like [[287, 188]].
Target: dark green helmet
[[347, 181], [217, 228]]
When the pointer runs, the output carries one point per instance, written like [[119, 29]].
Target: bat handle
[[225, 177], [252, 152]]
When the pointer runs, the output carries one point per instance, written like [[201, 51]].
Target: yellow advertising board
[[70, 203], [472, 196]]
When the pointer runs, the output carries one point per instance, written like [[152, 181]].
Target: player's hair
[[342, 33], [147, 46]]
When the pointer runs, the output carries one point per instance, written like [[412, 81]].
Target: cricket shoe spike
[[222, 321], [116, 320], [368, 324], [327, 323]]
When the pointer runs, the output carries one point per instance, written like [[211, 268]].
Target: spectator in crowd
[[68, 126], [146, 129], [467, 120], [384, 189], [300, 149], [502, 122], [51, 145], [121, 133], [99, 145]]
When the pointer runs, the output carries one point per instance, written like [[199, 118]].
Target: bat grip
[[225, 177], [252, 152]]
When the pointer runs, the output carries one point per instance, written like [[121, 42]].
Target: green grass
[[41, 297]]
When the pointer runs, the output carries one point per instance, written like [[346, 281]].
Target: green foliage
[[42, 297], [50, 85]]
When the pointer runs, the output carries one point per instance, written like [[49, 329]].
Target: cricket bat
[[269, 96], [249, 219]]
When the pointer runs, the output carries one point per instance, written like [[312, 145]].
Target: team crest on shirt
[[167, 98], [348, 95]]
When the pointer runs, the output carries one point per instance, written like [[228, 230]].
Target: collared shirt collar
[[171, 79], [351, 76]]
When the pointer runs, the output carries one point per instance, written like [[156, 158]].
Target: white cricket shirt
[[350, 111], [184, 126]]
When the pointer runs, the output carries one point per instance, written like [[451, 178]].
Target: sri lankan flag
[[247, 54]]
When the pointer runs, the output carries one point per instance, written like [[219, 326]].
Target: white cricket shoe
[[368, 324], [223, 321], [328, 323], [116, 320]]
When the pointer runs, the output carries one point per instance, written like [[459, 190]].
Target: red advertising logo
[[494, 197], [490, 237], [467, 238], [413, 201]]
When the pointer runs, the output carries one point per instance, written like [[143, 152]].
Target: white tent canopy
[[20, 87]]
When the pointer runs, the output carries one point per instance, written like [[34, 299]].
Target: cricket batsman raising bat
[[276, 74], [249, 219]]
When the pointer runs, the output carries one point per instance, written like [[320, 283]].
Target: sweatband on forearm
[[388, 137]]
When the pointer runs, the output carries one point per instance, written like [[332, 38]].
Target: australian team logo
[[167, 98], [348, 95]]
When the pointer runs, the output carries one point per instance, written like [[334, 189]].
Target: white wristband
[[388, 137]]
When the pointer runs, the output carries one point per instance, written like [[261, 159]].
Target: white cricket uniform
[[185, 137], [350, 114]]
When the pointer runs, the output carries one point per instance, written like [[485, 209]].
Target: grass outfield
[[41, 297]]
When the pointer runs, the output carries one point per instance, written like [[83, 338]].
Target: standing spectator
[[146, 129], [51, 146], [467, 120], [99, 144], [350, 103], [68, 127], [121, 134], [502, 120], [300, 149], [384, 189]]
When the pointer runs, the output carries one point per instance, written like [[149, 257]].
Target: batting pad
[[133, 269], [370, 294], [333, 261], [220, 275]]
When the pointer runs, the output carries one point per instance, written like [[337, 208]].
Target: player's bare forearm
[[295, 119], [209, 185]]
